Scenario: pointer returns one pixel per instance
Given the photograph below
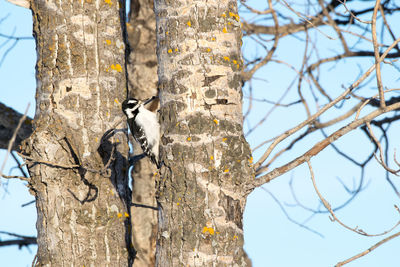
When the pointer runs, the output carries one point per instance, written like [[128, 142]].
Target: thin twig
[[333, 121], [368, 250], [248, 74], [16, 37], [381, 161], [334, 217], [334, 25], [376, 54], [19, 165], [52, 164], [395, 159], [15, 177], [307, 20], [387, 25], [352, 14], [28, 203], [12, 140]]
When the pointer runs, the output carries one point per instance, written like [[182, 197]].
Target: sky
[[271, 239], [17, 89]]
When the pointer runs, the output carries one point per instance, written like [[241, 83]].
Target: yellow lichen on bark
[[116, 67], [209, 230]]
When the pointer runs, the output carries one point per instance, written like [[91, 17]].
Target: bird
[[144, 127]]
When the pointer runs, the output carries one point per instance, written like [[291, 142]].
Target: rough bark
[[82, 207], [142, 70], [207, 160]]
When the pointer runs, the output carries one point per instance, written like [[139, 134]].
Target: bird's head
[[130, 107]]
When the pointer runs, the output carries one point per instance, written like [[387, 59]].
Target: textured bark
[[142, 67], [83, 219], [207, 160], [142, 70], [9, 119]]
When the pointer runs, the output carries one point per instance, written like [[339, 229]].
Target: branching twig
[[322, 110], [334, 217], [353, 15], [248, 74], [381, 161]]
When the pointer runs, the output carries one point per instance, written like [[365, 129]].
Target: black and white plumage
[[144, 127]]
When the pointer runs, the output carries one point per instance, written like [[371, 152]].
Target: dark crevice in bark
[[110, 156]]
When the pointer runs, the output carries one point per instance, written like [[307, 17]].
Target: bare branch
[[368, 250], [20, 242], [322, 110], [15, 177], [320, 146]]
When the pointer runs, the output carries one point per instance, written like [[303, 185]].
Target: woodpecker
[[144, 126]]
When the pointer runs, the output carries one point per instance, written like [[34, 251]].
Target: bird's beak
[[137, 105], [145, 102]]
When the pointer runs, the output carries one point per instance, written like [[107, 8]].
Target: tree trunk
[[207, 160], [142, 70], [81, 191]]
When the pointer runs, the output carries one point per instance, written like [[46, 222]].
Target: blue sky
[[270, 238], [17, 89]]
